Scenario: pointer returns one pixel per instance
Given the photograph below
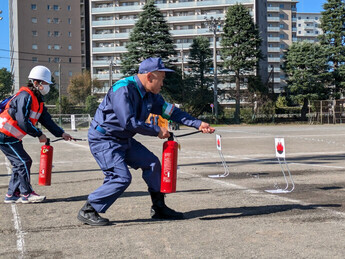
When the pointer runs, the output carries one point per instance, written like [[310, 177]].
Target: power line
[[39, 54], [42, 61]]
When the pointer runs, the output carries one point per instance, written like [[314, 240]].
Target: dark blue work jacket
[[126, 107]]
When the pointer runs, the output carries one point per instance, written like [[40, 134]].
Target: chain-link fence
[[327, 111]]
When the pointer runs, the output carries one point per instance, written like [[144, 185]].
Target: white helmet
[[41, 73]]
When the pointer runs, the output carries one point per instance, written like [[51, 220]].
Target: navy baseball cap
[[153, 64]]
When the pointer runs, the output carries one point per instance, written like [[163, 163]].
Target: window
[[69, 47], [49, 46], [33, 7], [69, 21], [49, 20], [299, 25], [68, 8], [70, 60], [49, 60], [48, 7], [56, 33], [56, 7], [56, 20], [49, 33], [56, 73], [316, 18], [316, 32], [281, 6], [282, 46], [56, 60], [69, 34], [34, 46], [281, 16], [34, 59], [299, 18], [70, 73], [57, 46], [34, 20], [299, 32], [281, 26], [282, 36], [34, 33]]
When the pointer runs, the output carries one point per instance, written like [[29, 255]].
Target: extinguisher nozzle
[[171, 138], [48, 142]]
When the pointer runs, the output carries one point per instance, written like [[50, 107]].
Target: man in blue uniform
[[119, 117]]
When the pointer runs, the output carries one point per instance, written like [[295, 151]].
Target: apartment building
[[308, 27], [113, 20], [50, 33], [281, 32]]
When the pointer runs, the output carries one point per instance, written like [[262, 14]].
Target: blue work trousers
[[21, 163], [114, 158]]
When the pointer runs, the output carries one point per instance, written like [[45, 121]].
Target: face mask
[[45, 89]]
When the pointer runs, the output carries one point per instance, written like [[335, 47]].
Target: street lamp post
[[214, 26]]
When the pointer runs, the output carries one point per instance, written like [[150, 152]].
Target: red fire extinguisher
[[46, 164], [169, 165]]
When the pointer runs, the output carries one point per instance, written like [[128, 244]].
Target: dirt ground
[[229, 217]]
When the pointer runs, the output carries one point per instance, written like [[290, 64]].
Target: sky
[[311, 6]]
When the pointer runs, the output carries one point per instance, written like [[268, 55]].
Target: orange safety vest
[[9, 126]]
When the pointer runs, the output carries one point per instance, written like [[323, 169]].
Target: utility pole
[[214, 26], [111, 72], [182, 61], [60, 108]]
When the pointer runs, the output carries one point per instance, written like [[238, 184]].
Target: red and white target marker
[[280, 153]]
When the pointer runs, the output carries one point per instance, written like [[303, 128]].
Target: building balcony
[[103, 63], [110, 36], [273, 29], [112, 50], [105, 76], [273, 19], [169, 6], [192, 18], [190, 32], [271, 49], [276, 69], [273, 60], [273, 9], [273, 39]]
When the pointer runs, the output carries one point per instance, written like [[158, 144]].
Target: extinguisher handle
[[48, 142], [171, 138]]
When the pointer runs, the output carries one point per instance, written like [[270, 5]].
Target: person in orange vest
[[19, 117]]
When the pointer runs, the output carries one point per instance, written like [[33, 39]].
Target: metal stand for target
[[280, 153], [226, 168]]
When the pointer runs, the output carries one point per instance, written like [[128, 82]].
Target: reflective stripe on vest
[[10, 127]]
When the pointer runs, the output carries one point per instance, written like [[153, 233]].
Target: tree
[[199, 95], [53, 95], [240, 46], [80, 87], [150, 37], [91, 105], [307, 69], [333, 26], [6, 82]]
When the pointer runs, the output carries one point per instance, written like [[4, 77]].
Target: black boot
[[161, 211], [90, 216]]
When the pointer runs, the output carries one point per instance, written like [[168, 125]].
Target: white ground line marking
[[16, 221], [265, 195]]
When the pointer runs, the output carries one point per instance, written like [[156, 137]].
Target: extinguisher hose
[[187, 134], [75, 139]]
